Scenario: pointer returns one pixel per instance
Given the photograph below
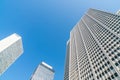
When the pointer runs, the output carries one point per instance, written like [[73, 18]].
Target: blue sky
[[44, 26]]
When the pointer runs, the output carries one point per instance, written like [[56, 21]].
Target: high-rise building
[[43, 72], [10, 49], [93, 50]]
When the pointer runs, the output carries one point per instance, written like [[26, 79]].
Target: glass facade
[[43, 72]]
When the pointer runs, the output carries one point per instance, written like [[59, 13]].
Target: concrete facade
[[10, 49], [94, 48], [118, 12], [43, 72]]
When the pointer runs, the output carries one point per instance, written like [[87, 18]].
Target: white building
[[94, 48], [43, 72], [10, 49]]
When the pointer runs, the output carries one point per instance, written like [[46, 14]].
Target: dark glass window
[[113, 59], [100, 75], [108, 62], [115, 56], [118, 54], [111, 67], [109, 78], [108, 69], [105, 71], [116, 64], [116, 74], [112, 77], [105, 64], [119, 61], [97, 77]]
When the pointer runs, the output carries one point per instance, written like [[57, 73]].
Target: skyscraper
[[93, 51], [10, 49], [43, 72]]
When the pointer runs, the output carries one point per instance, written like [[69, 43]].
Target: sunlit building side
[[94, 48], [10, 49], [43, 72]]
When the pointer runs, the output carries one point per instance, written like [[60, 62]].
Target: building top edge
[[45, 64]]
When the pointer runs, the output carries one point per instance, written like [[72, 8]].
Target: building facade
[[10, 49], [66, 74], [118, 12], [93, 51], [43, 72]]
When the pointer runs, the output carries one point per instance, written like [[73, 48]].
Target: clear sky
[[44, 26]]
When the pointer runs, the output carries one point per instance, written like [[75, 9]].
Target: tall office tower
[[43, 72], [94, 47], [10, 49]]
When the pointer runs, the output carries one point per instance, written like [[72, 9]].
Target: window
[[109, 78], [102, 73], [116, 64], [115, 56], [111, 68], [118, 54], [109, 54], [105, 64], [112, 77], [113, 59], [108, 62], [105, 71], [119, 61], [115, 74]]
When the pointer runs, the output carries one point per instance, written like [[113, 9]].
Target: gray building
[[93, 50], [43, 72], [10, 49]]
